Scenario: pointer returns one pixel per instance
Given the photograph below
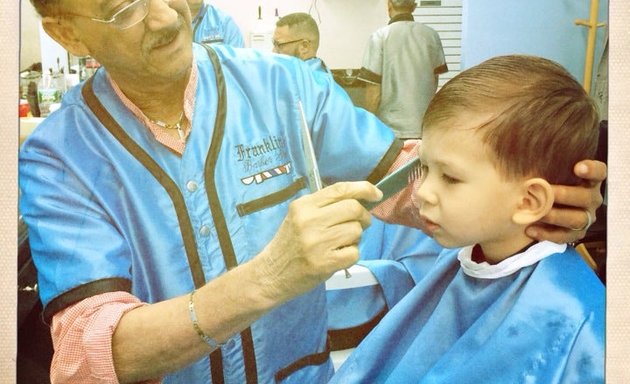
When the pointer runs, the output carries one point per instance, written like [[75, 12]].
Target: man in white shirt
[[401, 66]]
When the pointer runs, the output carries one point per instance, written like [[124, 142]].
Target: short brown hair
[[543, 121]]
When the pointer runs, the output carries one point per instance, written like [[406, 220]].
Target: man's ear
[[64, 32], [304, 50], [536, 201]]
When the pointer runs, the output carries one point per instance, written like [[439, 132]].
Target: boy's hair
[[303, 24], [542, 123]]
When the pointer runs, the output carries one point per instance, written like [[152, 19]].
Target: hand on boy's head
[[572, 202]]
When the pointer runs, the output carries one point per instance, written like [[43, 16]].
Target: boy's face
[[462, 198]]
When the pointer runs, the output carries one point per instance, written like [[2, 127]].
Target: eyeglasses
[[278, 44], [127, 17]]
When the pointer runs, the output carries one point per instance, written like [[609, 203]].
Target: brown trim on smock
[[84, 291], [386, 162], [272, 199], [223, 233], [171, 188], [441, 69], [351, 337], [314, 359], [190, 244]]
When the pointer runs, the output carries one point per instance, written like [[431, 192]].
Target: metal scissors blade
[[312, 170]]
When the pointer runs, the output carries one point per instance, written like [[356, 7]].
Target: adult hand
[[567, 221], [318, 236]]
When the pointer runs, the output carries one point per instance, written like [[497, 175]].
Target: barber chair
[[356, 305]]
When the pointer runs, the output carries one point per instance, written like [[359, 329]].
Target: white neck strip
[[510, 265]]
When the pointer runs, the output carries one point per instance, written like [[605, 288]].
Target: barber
[[168, 217]]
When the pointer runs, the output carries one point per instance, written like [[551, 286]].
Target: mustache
[[164, 36]]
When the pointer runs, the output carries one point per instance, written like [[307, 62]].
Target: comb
[[396, 181]]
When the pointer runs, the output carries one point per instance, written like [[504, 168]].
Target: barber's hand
[[318, 237], [569, 222]]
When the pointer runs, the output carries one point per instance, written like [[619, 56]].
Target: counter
[[349, 82]]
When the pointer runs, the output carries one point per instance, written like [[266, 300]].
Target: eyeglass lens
[[131, 15]]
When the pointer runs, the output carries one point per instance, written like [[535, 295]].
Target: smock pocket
[[272, 199], [263, 215]]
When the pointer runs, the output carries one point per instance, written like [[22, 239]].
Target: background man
[[297, 35], [212, 25], [401, 66]]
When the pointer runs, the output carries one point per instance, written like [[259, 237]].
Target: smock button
[[204, 231], [191, 186]]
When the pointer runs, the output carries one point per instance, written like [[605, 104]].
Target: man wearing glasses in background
[[297, 35], [167, 225]]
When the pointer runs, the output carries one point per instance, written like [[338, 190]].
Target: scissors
[[314, 180], [389, 185]]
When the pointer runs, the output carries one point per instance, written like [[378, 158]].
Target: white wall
[[345, 25]]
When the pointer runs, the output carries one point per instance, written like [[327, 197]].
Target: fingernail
[[582, 169]]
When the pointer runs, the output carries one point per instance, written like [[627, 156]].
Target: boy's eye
[[450, 180]]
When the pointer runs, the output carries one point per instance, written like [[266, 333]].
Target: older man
[[173, 233]]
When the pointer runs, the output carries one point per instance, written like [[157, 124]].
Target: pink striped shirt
[[82, 333], [160, 133]]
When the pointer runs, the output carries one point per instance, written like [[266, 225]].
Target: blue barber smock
[[541, 324], [211, 25], [109, 208]]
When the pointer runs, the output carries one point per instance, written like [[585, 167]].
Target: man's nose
[[161, 13]]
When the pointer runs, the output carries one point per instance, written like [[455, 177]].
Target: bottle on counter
[[32, 98], [49, 92]]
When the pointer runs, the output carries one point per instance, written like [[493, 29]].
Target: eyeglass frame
[[279, 45], [112, 19]]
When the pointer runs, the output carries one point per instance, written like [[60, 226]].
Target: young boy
[[506, 309]]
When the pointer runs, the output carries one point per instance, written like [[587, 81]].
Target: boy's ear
[[64, 32], [536, 201]]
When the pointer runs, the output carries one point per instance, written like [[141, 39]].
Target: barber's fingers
[[559, 225], [587, 196], [340, 249], [593, 171], [358, 190], [346, 211], [327, 231], [334, 205], [344, 258], [540, 231], [344, 234]]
